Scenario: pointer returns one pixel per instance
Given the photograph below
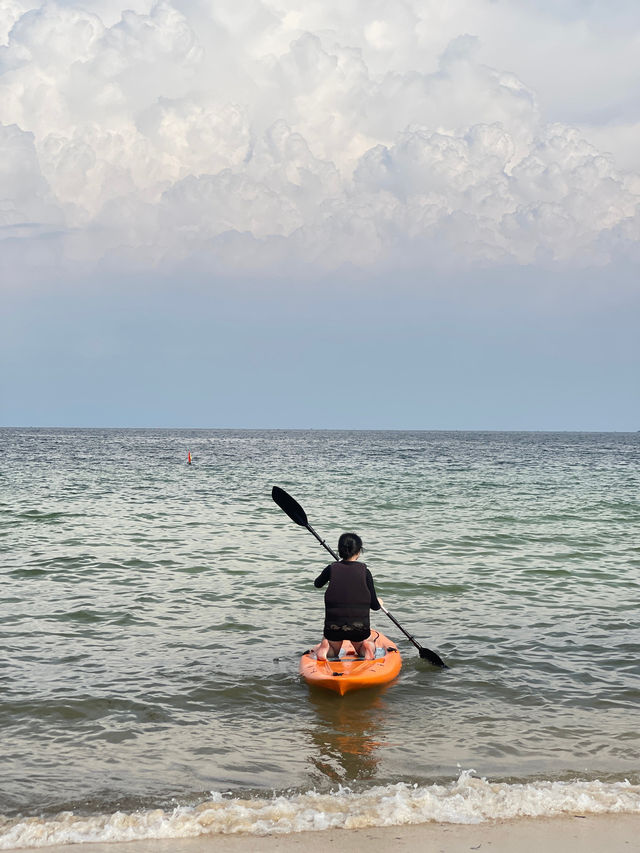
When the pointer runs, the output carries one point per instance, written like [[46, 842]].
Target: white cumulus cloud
[[264, 134]]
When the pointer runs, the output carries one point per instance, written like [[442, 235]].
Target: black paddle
[[295, 512]]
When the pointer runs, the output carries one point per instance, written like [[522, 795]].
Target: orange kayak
[[351, 672]]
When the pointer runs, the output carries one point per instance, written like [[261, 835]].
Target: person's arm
[[323, 577], [375, 604]]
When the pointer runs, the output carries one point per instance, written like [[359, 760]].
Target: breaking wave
[[469, 799]]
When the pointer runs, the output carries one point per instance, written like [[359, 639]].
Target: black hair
[[349, 544]]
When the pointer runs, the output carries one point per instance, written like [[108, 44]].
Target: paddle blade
[[290, 506], [432, 657]]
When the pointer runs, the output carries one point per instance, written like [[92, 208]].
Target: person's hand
[[380, 601]]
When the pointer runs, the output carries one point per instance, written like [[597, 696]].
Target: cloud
[[25, 196], [271, 136]]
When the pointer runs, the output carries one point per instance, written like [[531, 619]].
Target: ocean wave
[[469, 799]]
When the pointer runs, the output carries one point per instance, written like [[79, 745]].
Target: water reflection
[[347, 733]]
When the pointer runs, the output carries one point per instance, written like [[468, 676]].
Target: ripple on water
[[153, 615]]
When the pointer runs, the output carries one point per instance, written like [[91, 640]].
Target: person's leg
[[335, 646], [321, 649], [366, 649]]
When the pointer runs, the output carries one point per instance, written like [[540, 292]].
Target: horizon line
[[323, 429]]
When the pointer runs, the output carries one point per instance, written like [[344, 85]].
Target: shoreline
[[566, 834]]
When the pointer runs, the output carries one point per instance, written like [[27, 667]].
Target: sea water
[[153, 614]]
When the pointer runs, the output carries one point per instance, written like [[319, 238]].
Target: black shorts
[[356, 632]]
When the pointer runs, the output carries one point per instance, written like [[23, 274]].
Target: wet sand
[[574, 834]]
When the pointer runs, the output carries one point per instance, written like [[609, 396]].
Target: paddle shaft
[[322, 542], [296, 513], [398, 625]]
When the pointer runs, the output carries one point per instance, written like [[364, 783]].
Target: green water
[[153, 613]]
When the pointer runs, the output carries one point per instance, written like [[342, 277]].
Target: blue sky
[[348, 215], [473, 352]]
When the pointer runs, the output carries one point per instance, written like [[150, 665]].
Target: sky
[[347, 214]]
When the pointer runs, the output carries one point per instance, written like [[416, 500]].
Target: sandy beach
[[574, 834]]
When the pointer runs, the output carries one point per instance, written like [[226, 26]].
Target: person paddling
[[348, 599]]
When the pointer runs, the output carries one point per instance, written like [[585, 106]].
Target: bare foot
[[335, 647], [366, 649], [321, 649]]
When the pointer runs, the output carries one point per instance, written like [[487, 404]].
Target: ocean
[[153, 614]]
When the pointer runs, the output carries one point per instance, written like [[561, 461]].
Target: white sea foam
[[467, 800]]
